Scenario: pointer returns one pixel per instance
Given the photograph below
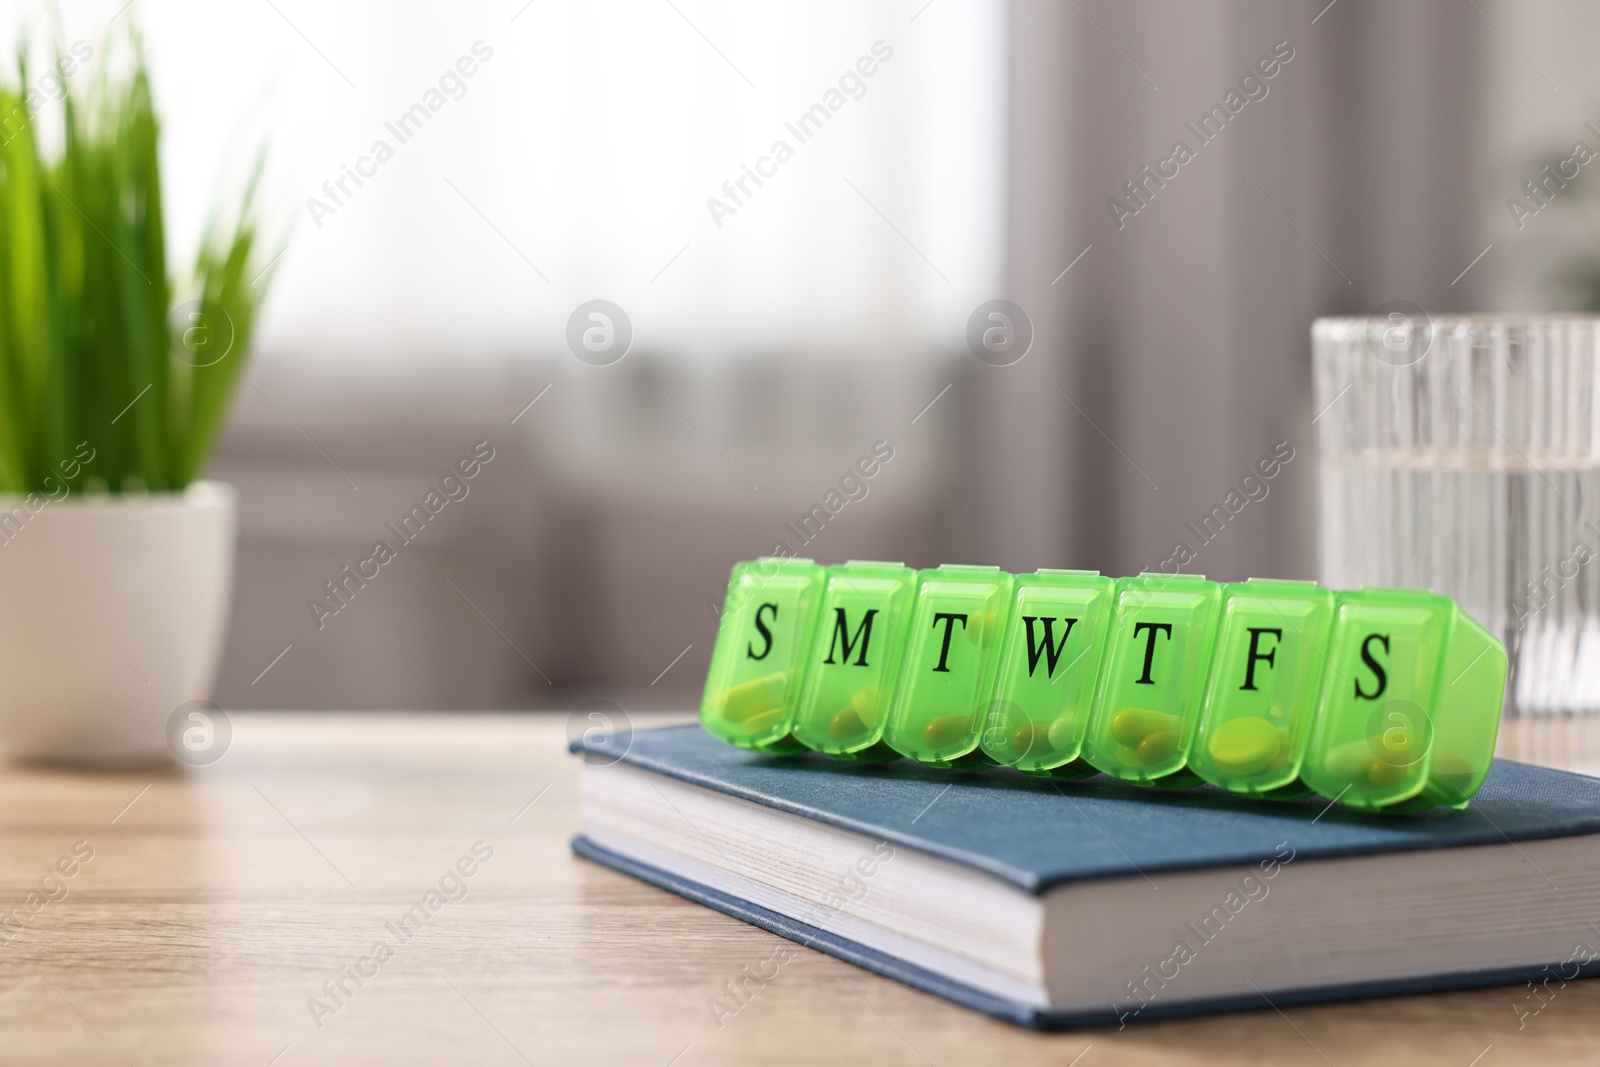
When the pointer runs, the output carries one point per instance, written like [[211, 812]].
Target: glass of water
[[1462, 455]]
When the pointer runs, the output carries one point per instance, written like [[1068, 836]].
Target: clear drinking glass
[[1462, 455]]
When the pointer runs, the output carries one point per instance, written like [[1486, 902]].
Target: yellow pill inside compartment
[[846, 724], [858, 718], [1372, 762], [945, 730], [980, 628], [1131, 726], [1381, 772], [1022, 737], [764, 721], [1062, 731], [756, 703], [1040, 737], [1245, 746], [865, 705], [1158, 746]]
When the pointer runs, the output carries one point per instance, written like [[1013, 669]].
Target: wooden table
[[218, 901]]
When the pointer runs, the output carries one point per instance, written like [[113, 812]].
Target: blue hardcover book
[[1057, 904]]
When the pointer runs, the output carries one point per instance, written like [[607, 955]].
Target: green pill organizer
[[1380, 699]]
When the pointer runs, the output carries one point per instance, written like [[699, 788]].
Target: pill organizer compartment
[[1153, 679], [1467, 715], [1271, 652], [1050, 656], [853, 657], [766, 622], [1372, 743], [947, 676]]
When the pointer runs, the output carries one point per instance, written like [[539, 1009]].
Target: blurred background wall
[[781, 337], [1175, 352]]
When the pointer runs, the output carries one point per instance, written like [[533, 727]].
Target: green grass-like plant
[[93, 346]]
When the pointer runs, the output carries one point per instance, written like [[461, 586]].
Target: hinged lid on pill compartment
[[1049, 665], [1372, 742], [1154, 676], [947, 679], [1266, 674], [766, 623], [853, 658]]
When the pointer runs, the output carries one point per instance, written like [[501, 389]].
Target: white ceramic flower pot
[[112, 612]]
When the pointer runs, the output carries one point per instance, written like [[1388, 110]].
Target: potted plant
[[116, 561]]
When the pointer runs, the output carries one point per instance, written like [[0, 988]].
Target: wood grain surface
[[208, 913]]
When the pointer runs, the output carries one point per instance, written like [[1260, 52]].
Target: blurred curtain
[[1174, 355]]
